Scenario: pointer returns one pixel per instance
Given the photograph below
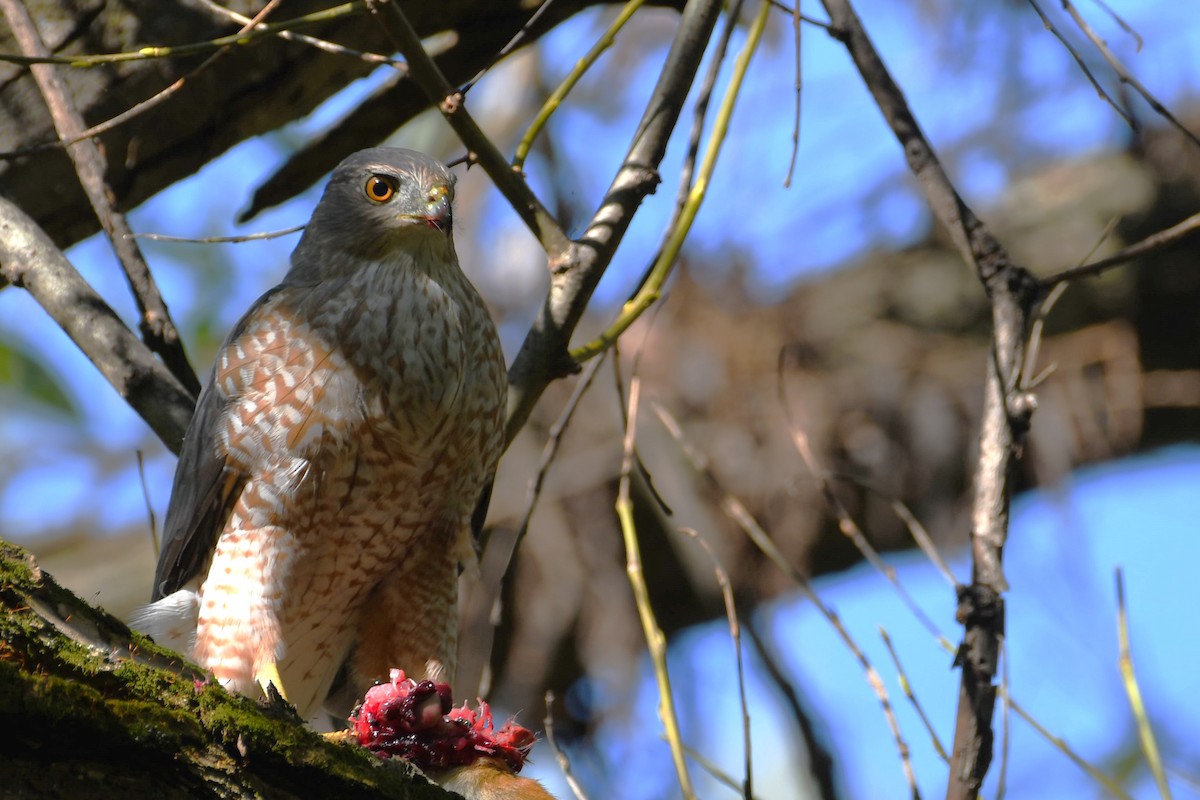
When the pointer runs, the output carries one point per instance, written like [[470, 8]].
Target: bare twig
[[1028, 379], [563, 762], [794, 11], [1113, 788], [140, 108], [1123, 74], [718, 774], [735, 634], [150, 520], [1152, 244], [179, 50], [1005, 726], [699, 113], [29, 259], [496, 564], [923, 539], [292, 36], [1100, 90], [688, 168], [1134, 692], [915, 529], [157, 328], [1121, 23], [550, 450], [512, 44], [249, 237], [846, 524], [820, 762], [906, 687], [737, 511], [787, 182]]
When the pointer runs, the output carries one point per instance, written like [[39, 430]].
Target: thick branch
[[156, 325], [29, 259]]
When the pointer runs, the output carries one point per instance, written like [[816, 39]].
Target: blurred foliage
[[26, 378]]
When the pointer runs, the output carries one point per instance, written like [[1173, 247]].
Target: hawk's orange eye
[[380, 188]]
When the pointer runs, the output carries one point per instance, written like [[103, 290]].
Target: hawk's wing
[[207, 485]]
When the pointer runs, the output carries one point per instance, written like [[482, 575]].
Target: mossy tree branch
[[91, 709]]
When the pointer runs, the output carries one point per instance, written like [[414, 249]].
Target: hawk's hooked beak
[[437, 209]]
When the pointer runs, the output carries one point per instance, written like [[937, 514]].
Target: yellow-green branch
[[559, 94], [661, 270], [1145, 731], [656, 643]]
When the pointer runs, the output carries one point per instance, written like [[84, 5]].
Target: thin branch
[[915, 529], [450, 102], [1122, 24], [737, 511], [1028, 379], [699, 113], [655, 640], [554, 101], [1146, 247], [550, 450], [1134, 692], [794, 12], [499, 562], [30, 260], [787, 182], [518, 38], [1113, 788], [249, 237], [820, 762], [292, 36], [716, 772], [157, 328], [1124, 75], [1005, 726], [140, 108], [563, 762], [688, 169], [192, 48], [1100, 90], [735, 634], [906, 687], [846, 524], [150, 519]]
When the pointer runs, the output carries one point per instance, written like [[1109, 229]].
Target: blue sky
[[996, 102]]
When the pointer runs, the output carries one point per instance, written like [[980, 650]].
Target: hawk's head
[[380, 200]]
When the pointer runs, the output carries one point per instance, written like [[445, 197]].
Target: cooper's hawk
[[324, 493]]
